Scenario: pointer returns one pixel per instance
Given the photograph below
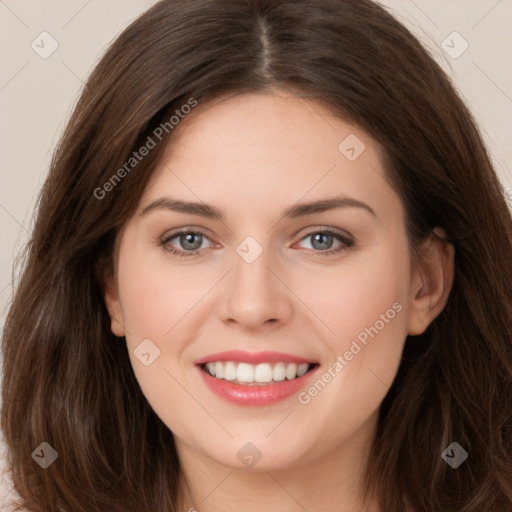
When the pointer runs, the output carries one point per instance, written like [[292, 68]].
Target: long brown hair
[[68, 380]]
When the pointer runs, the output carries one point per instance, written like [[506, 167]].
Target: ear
[[111, 296], [432, 280]]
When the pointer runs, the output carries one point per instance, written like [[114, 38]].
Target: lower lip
[[259, 394]]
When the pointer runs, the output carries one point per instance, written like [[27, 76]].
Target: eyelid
[[323, 229], [307, 231], [186, 229]]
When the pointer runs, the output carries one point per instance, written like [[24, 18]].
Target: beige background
[[36, 95]]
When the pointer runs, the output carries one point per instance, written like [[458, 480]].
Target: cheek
[[154, 295], [364, 303], [156, 301], [162, 304], [363, 297], [370, 326]]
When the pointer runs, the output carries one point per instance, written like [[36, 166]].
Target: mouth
[[263, 374], [255, 379]]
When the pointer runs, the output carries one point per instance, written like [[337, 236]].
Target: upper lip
[[240, 356]]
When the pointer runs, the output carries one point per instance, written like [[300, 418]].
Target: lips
[[255, 378]]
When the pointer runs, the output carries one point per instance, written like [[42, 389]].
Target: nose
[[254, 297]]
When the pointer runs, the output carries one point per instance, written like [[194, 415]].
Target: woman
[[270, 268]]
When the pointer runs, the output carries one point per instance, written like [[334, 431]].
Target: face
[[289, 280]]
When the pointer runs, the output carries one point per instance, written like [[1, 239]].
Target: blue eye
[[190, 243], [323, 240]]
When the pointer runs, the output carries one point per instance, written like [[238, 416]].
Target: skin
[[252, 156]]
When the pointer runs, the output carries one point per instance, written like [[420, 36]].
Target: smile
[[263, 373], [255, 379]]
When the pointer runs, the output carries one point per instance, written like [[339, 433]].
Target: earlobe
[[116, 328], [113, 304], [432, 282]]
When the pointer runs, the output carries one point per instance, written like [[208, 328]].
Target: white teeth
[[229, 371], [219, 370], [263, 373], [291, 371], [279, 372], [302, 369], [244, 372]]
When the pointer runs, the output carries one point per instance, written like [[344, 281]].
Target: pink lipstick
[[255, 378]]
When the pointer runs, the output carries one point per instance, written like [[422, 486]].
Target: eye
[[322, 241], [188, 242]]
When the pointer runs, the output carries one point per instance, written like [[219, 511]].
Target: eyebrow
[[293, 212]]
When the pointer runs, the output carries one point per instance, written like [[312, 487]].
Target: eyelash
[[346, 242]]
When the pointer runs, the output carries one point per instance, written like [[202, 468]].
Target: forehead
[[257, 149], [277, 121]]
